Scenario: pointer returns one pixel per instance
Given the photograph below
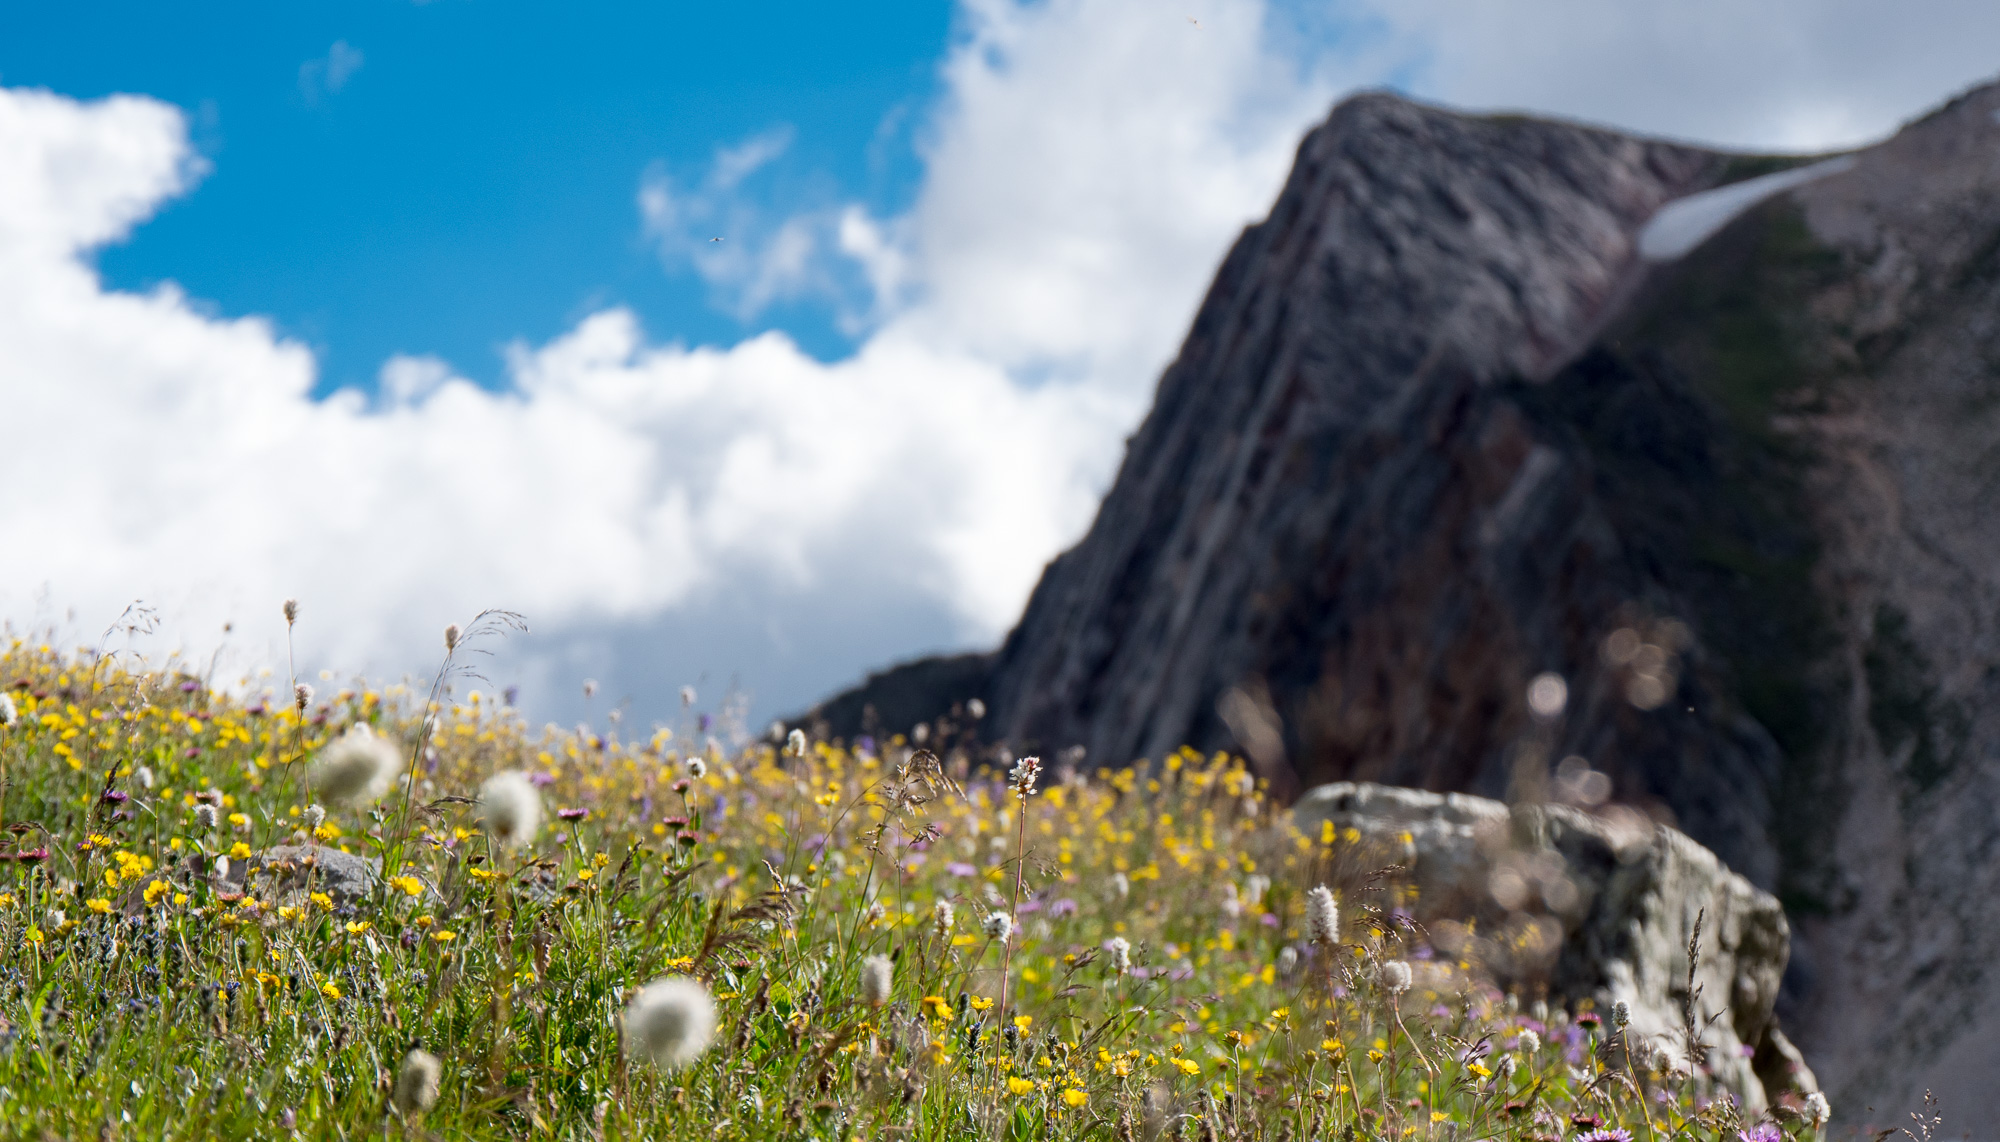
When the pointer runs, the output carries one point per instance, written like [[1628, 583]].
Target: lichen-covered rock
[[1598, 906], [289, 872]]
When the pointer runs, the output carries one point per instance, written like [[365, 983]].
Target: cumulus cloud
[[658, 510]]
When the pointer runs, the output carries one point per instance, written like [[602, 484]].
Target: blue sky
[[409, 309], [460, 174]]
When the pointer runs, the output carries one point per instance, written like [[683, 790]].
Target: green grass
[[160, 1006]]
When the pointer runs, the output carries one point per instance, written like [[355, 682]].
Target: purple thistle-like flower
[[1611, 1134], [572, 814], [1762, 1132]]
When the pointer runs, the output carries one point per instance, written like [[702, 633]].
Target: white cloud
[[325, 76], [656, 509]]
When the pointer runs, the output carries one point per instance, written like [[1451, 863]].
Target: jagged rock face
[[1438, 427]]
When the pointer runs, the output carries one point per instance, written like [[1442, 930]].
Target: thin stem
[[1020, 871]]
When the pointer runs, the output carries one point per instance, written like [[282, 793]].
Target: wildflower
[[417, 1082], [451, 638], [1322, 917], [1232, 901], [154, 892], [1121, 885], [1019, 1086], [1621, 1014], [1395, 975], [302, 696], [1254, 888], [875, 914], [941, 917], [687, 695], [205, 816], [1528, 1042], [8, 714], [1121, 954], [145, 775], [35, 935], [98, 905], [876, 979], [357, 768], [1610, 1134], [976, 708], [291, 611], [1074, 1098], [697, 768], [315, 816], [795, 743], [1021, 779], [239, 851], [509, 807], [670, 1021], [1817, 1110], [999, 926]]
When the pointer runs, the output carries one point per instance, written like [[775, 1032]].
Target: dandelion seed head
[[510, 808], [877, 977], [1395, 975], [1121, 885], [357, 769], [976, 708], [687, 696], [670, 1022], [417, 1082], [998, 926], [314, 816], [1529, 1042], [205, 815], [1254, 888], [1322, 917], [1818, 1111]]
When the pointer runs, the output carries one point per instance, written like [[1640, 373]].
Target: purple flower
[[190, 686], [1762, 1132], [572, 814], [114, 796], [1029, 906], [1269, 919], [542, 779], [1608, 1134], [960, 868], [1062, 907]]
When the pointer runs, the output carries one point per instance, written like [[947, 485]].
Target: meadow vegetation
[[689, 932]]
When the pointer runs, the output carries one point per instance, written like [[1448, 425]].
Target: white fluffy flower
[[1022, 777], [878, 975], [1395, 975], [315, 816], [357, 768], [1288, 961], [696, 768], [1121, 954], [795, 743], [205, 816], [509, 807], [1322, 917], [942, 917], [1254, 888], [144, 774], [1528, 1042], [1621, 1014], [1232, 901], [999, 926], [417, 1082], [1818, 1111], [8, 714], [670, 1022], [1121, 885]]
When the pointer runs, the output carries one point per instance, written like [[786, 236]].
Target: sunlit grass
[[1160, 978]]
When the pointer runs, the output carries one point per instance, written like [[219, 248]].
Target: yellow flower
[[940, 1010], [483, 874], [444, 937], [98, 905], [322, 899], [981, 1002], [584, 874], [1074, 1098], [356, 927], [239, 851], [34, 935], [1476, 1069], [329, 990], [238, 820], [286, 912], [1024, 1021], [1019, 1086], [1440, 1116], [154, 891], [327, 832], [1187, 1066], [409, 884], [180, 898]]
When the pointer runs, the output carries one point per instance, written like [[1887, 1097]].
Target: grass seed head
[[1322, 917], [510, 808], [417, 1082], [670, 1022], [302, 696], [942, 917], [999, 926], [291, 611], [877, 978], [357, 769], [1121, 954]]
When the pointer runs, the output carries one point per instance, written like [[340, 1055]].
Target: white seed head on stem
[[1528, 1042], [509, 807], [1121, 954], [417, 1082], [1818, 1111], [1395, 975], [998, 926], [670, 1022], [697, 768], [8, 714], [942, 917], [314, 816], [795, 743], [1322, 917], [1621, 1014], [1021, 779], [877, 979], [358, 768], [205, 816]]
